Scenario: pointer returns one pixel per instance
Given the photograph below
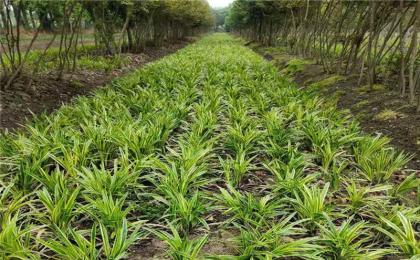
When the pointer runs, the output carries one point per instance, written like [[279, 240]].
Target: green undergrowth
[[276, 52], [294, 66], [388, 114], [366, 88], [361, 104], [101, 63], [327, 82], [206, 141], [87, 58]]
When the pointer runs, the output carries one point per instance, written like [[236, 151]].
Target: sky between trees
[[219, 3]]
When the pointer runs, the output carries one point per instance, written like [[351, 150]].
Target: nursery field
[[208, 153]]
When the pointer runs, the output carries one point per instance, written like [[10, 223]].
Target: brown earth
[[219, 242], [20, 102], [381, 111]]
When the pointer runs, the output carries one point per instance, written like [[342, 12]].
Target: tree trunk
[[413, 47], [402, 60], [130, 39], [31, 15], [124, 29], [24, 17], [270, 33], [3, 14], [371, 71], [45, 22]]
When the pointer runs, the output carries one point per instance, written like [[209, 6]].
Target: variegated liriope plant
[[209, 144]]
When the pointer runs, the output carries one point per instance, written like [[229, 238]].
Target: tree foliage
[[119, 25]]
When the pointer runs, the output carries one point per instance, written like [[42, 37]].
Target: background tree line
[[368, 37], [118, 25]]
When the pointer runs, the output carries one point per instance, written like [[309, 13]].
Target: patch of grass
[[346, 111], [77, 84], [277, 54], [388, 114], [86, 59], [327, 82], [281, 59], [361, 104], [272, 50], [338, 94], [375, 87], [294, 66], [361, 116], [101, 63]]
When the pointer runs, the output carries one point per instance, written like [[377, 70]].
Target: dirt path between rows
[[20, 103]]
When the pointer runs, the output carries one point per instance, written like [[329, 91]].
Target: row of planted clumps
[[207, 140]]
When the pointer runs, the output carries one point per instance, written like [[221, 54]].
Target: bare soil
[[19, 103], [403, 127], [219, 242]]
